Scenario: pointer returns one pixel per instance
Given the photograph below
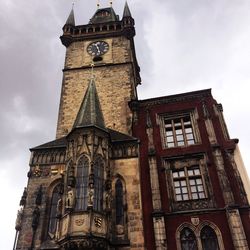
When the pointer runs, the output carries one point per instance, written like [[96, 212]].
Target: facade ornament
[[37, 171], [23, 198], [35, 218], [71, 175], [39, 196], [91, 198], [108, 200], [98, 221], [18, 225], [205, 110], [195, 221], [70, 200], [59, 208]]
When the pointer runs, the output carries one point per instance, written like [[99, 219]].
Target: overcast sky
[[182, 45]]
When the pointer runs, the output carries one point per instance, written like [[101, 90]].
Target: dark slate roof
[[71, 18], [126, 12], [116, 136], [104, 15], [58, 143], [90, 113]]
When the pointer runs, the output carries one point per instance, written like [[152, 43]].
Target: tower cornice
[[95, 31]]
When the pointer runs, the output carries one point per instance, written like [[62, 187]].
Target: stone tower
[[108, 42], [83, 190]]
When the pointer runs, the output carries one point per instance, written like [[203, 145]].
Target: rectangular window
[[179, 131], [188, 184]]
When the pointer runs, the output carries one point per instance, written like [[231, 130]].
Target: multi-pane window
[[179, 131], [188, 184], [82, 180]]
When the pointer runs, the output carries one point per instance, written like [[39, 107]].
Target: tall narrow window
[[82, 180], [53, 210], [98, 183], [119, 208], [188, 239], [209, 239]]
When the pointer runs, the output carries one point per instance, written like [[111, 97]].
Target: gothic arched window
[[82, 181], [53, 210], [209, 239], [119, 208], [98, 183], [188, 239]]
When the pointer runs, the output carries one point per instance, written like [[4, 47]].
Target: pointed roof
[[126, 12], [104, 15], [90, 113], [71, 18]]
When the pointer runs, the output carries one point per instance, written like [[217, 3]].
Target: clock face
[[98, 48]]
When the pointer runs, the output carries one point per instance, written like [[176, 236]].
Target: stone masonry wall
[[128, 169], [114, 80], [26, 233]]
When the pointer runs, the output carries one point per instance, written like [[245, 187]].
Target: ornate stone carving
[[35, 218], [18, 225], [70, 199], [98, 221], [24, 197]]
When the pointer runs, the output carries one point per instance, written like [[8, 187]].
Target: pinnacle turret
[[126, 12], [71, 18]]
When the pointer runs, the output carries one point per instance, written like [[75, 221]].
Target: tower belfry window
[[82, 179]]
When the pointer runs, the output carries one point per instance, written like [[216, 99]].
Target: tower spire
[[90, 113], [71, 18], [126, 12]]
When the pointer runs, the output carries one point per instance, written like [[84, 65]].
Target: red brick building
[[192, 193], [123, 173]]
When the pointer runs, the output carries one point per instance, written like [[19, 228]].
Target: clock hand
[[98, 49]]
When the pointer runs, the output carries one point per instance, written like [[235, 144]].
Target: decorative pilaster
[[160, 233], [159, 222], [224, 182], [237, 230]]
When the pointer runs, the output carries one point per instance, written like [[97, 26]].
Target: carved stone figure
[[35, 218], [24, 197], [39, 196], [59, 208], [108, 199], [70, 200], [90, 198]]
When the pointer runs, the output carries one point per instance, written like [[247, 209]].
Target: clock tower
[[107, 42], [83, 190]]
